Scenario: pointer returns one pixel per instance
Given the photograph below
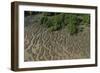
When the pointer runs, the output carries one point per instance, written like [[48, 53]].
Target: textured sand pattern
[[42, 45]]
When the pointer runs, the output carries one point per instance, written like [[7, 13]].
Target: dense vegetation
[[57, 21]]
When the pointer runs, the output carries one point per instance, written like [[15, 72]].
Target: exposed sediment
[[40, 44]]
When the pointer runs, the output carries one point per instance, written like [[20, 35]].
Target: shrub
[[49, 22], [72, 24], [43, 20], [86, 19], [53, 22], [66, 19]]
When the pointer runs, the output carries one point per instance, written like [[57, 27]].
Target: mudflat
[[41, 44]]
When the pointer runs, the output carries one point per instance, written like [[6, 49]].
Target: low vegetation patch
[[58, 21]]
